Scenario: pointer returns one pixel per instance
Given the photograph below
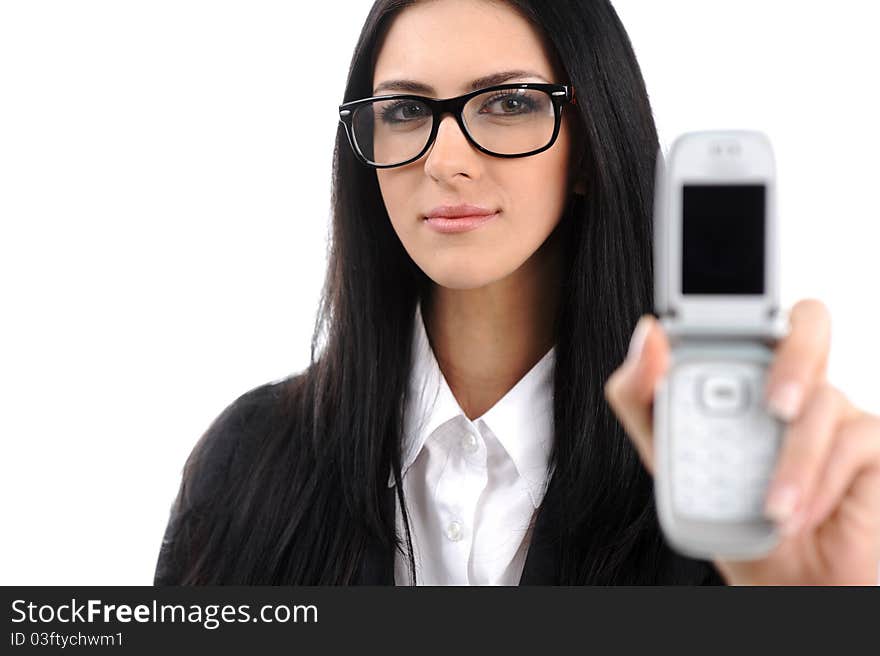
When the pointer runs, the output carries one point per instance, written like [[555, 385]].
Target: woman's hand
[[825, 491]]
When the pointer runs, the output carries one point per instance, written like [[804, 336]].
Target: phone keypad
[[723, 444]]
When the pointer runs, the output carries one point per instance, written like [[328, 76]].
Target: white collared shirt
[[472, 488]]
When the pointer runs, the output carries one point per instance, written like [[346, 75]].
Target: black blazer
[[540, 567], [377, 567]]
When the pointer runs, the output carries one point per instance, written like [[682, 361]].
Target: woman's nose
[[451, 151]]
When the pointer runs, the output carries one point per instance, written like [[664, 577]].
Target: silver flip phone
[[716, 268]]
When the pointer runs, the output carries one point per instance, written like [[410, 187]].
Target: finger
[[634, 421], [801, 358], [630, 389], [853, 467], [806, 444]]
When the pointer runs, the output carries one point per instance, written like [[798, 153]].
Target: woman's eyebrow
[[485, 81]]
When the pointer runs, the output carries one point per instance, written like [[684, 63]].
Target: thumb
[[646, 361], [630, 389]]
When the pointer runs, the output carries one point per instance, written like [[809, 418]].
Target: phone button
[[724, 393]]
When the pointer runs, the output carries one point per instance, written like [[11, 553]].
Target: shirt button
[[453, 530], [469, 443]]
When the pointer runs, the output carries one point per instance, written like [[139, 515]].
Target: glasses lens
[[511, 121], [391, 131]]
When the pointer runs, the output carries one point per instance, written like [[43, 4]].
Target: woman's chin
[[462, 278]]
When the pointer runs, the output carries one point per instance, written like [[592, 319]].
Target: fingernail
[[785, 401], [794, 524], [781, 502], [637, 341]]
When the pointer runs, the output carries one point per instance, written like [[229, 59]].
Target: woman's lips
[[459, 223]]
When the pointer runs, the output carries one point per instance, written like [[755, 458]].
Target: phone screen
[[723, 233]]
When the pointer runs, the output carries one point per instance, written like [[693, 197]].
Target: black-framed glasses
[[505, 120]]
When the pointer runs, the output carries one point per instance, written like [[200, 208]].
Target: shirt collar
[[522, 420]]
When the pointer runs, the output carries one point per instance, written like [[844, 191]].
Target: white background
[[164, 206]]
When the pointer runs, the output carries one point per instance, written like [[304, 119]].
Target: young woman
[[457, 421]]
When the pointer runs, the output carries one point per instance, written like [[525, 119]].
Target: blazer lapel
[[377, 566], [541, 561], [541, 566]]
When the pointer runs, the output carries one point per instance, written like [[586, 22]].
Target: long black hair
[[297, 494]]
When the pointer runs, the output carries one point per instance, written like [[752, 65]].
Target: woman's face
[[446, 44]]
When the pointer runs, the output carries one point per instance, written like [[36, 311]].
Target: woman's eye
[[509, 104], [403, 111]]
